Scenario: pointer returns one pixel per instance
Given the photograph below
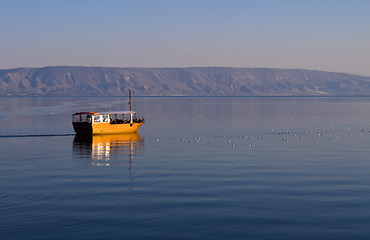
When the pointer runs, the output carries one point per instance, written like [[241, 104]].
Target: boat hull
[[105, 128]]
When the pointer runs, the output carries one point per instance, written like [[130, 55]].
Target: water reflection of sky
[[208, 165]]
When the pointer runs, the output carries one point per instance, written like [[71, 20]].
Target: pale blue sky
[[316, 34]]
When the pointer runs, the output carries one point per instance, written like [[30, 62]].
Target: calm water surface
[[199, 168]]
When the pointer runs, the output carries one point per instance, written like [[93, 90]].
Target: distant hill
[[202, 81]]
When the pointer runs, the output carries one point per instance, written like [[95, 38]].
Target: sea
[[199, 168]]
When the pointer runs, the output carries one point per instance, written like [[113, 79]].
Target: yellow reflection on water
[[109, 149]]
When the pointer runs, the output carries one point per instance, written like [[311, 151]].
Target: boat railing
[[126, 121]]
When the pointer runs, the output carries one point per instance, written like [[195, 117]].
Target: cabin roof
[[117, 112], [101, 113]]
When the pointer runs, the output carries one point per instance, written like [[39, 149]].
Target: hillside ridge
[[192, 81]]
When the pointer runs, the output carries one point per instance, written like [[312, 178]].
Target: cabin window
[[97, 119], [117, 119], [82, 118], [105, 118], [76, 118]]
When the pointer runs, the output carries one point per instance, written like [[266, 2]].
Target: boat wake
[[37, 135]]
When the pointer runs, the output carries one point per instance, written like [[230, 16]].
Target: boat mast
[[129, 101]]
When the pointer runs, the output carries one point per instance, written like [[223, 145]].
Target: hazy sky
[[309, 34]]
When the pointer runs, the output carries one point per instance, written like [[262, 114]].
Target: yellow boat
[[91, 123]]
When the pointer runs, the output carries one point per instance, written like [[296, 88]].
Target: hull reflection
[[107, 150]]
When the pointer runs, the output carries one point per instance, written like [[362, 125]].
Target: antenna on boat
[[129, 102]]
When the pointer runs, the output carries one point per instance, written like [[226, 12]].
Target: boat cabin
[[106, 122], [106, 117]]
